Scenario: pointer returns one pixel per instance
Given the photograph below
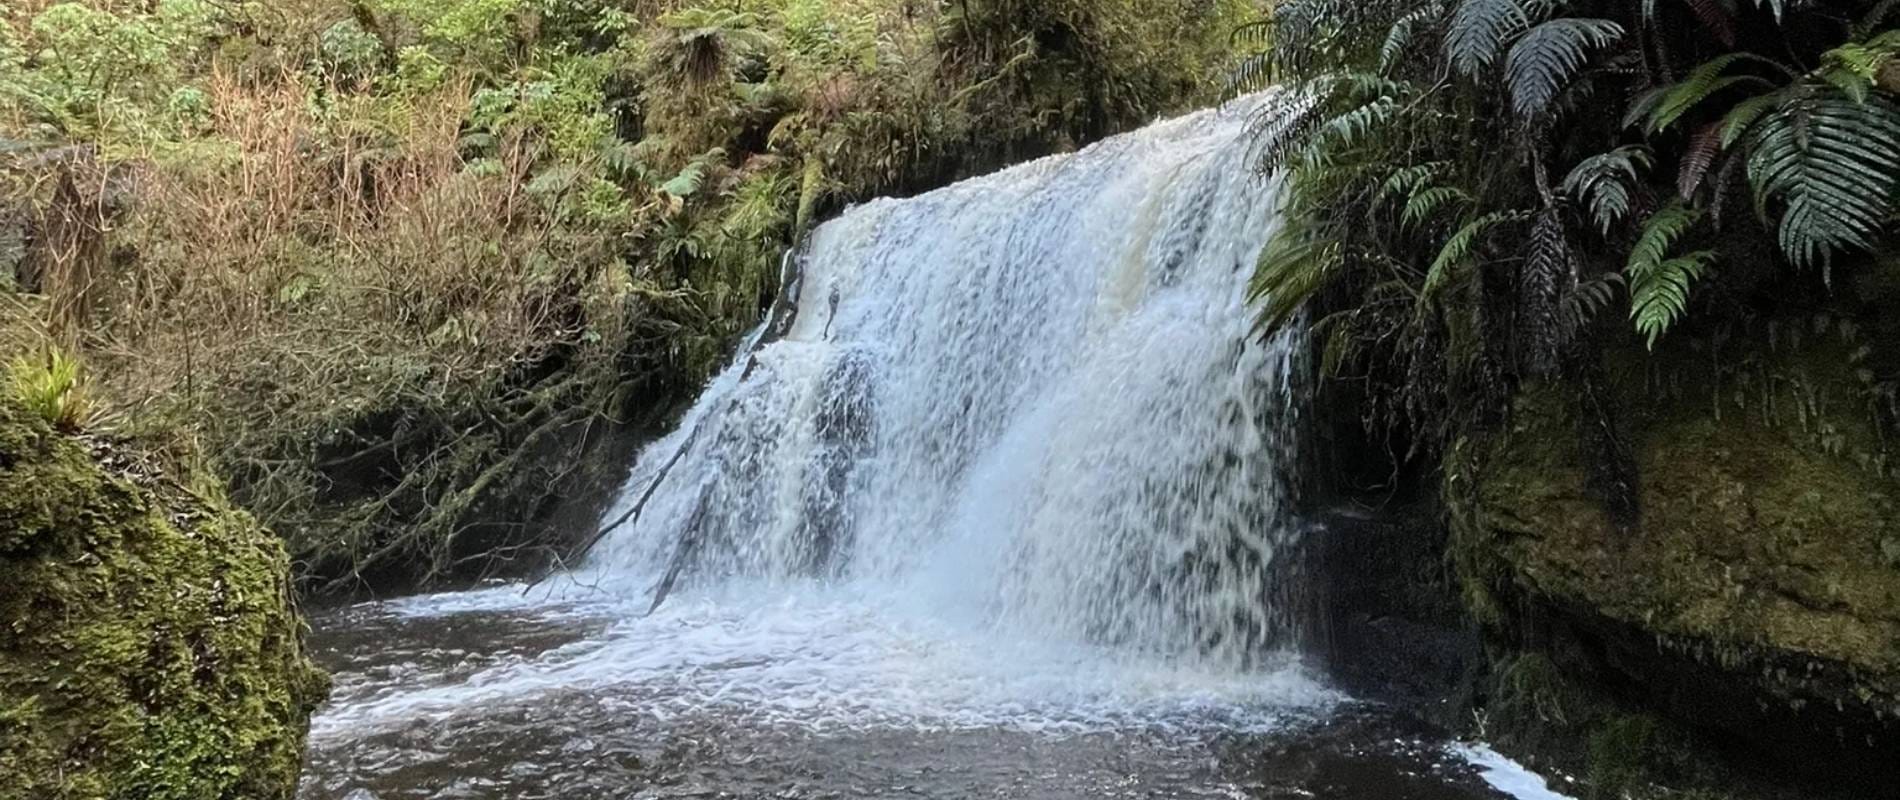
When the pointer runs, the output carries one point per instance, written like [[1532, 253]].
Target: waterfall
[[1035, 399]]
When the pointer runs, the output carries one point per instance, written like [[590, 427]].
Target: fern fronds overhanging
[[1557, 154]]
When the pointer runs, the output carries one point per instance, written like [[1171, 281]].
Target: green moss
[[1760, 538], [151, 648]]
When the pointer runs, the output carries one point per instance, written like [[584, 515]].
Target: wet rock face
[[1751, 594], [149, 645]]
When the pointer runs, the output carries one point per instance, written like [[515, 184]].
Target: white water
[[1016, 466]]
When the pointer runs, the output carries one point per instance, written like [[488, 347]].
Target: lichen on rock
[[150, 646]]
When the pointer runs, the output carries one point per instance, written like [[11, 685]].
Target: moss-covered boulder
[[1715, 539], [149, 644]]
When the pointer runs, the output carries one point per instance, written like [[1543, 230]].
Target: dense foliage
[[1475, 183], [387, 263]]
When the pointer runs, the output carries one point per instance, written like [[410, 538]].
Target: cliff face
[[150, 646], [1721, 548]]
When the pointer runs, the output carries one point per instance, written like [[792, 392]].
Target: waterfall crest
[[1033, 400]]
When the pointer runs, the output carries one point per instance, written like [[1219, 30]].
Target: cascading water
[[995, 516], [1033, 398]]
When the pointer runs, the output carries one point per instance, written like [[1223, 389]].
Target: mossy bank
[[150, 646], [1704, 551]]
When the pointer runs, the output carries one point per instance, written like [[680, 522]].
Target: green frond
[[1477, 32], [1409, 179], [1660, 233], [1455, 254], [1743, 116], [1544, 60], [1295, 265], [1427, 202], [1589, 299], [1400, 36], [1835, 164], [1604, 183], [1703, 81], [1659, 285], [1659, 295]]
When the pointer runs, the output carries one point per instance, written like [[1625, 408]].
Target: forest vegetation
[[389, 266]]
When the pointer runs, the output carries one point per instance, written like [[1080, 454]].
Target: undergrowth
[[392, 265]]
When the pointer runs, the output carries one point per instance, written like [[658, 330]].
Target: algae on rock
[[151, 647]]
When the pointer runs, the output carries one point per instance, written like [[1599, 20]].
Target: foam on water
[[825, 658]]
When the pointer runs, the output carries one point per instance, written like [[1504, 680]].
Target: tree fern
[[1478, 30], [1835, 164], [1604, 182], [1546, 58], [1659, 285]]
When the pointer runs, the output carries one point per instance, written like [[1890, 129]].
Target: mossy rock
[[150, 646], [1747, 590]]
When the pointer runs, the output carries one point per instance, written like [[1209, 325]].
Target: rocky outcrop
[[1720, 548], [149, 644]]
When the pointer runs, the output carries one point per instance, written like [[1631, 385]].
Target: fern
[[1398, 38], [1703, 81], [1604, 183], [1295, 264], [1659, 296], [1659, 285], [1835, 164], [1546, 58], [1744, 115], [1429, 201], [1704, 146], [1589, 299], [1478, 30], [1457, 250], [1550, 269]]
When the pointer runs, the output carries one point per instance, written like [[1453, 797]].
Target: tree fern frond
[[1659, 285], [1659, 234], [1283, 125], [1604, 183], [1478, 29], [1659, 297], [1409, 179], [1399, 37], [1703, 81], [1428, 202], [1743, 116], [1295, 265], [1547, 57], [1254, 73], [1457, 250], [1835, 164], [1589, 299]]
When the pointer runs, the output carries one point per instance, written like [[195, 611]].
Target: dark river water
[[822, 695]]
